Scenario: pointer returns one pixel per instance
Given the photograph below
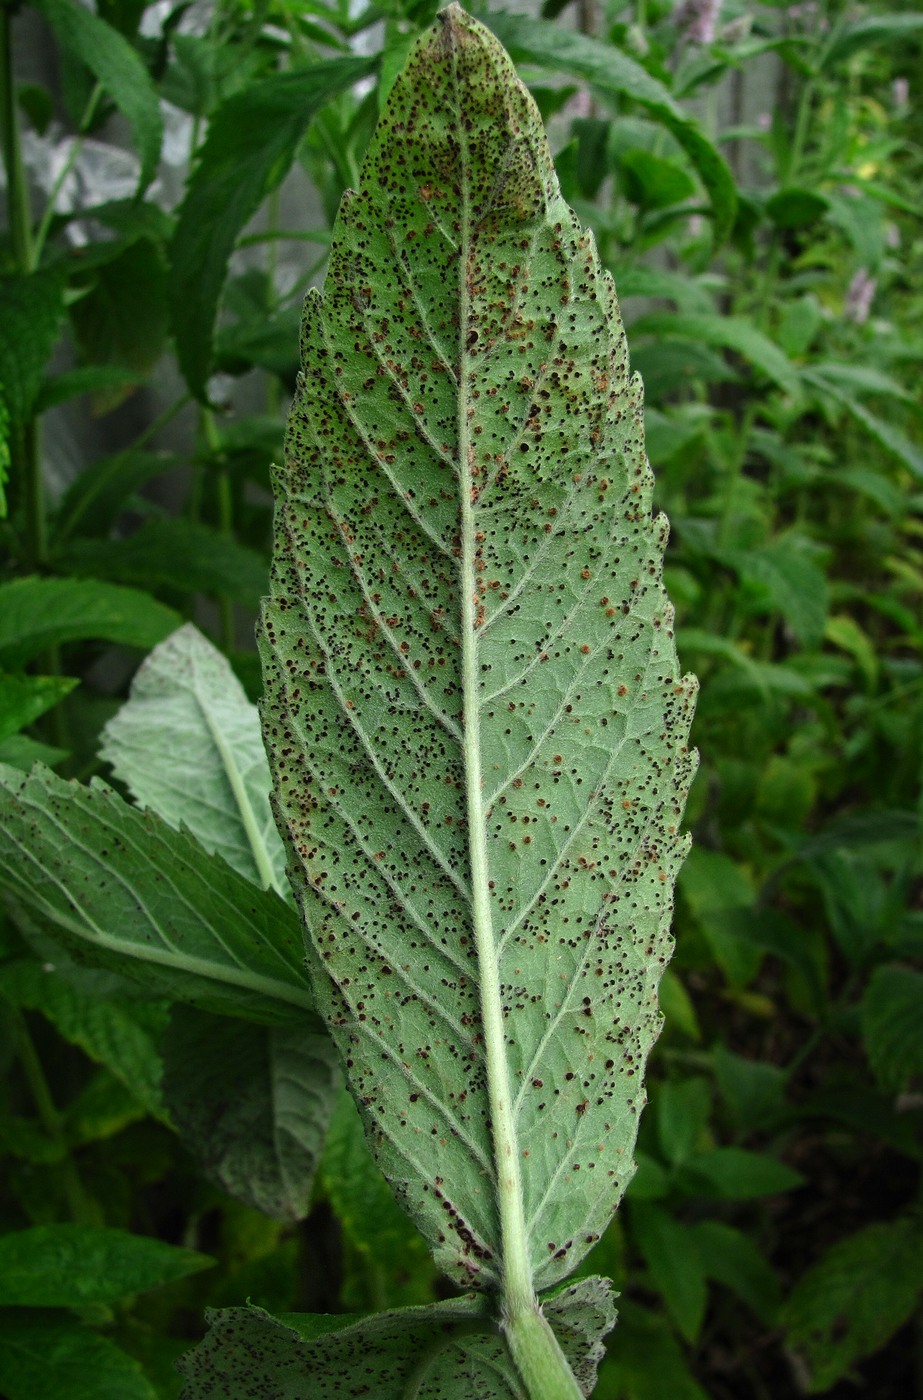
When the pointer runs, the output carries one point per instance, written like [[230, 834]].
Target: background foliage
[[753, 175]]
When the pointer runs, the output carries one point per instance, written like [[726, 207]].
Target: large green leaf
[[251, 142], [187, 744], [252, 1103], [48, 1354], [474, 713], [614, 72], [66, 1266], [851, 1302], [118, 68], [445, 1350], [36, 613], [125, 890]]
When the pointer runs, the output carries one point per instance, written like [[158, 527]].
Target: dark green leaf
[[118, 68], [122, 318], [732, 1258], [652, 182], [44, 1355], [727, 333], [670, 1251], [36, 613], [31, 311], [251, 142], [68, 1266], [855, 1299], [24, 698], [94, 500], [892, 1025], [736, 1174], [646, 1361], [102, 381], [124, 890], [614, 72], [871, 31], [112, 1032], [183, 555], [683, 1108], [796, 208], [252, 1104]]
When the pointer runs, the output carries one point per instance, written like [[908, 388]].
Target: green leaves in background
[[119, 886], [47, 1354], [187, 744], [474, 712], [615, 73], [251, 143], [31, 312], [38, 613], [252, 1103], [118, 69], [854, 1299], [24, 699], [892, 1026], [446, 1351], [69, 1266]]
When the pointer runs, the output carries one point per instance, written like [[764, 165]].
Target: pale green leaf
[[251, 142], [44, 1354], [36, 613], [66, 1266], [446, 1351], [187, 745], [855, 1299], [252, 1104], [118, 68], [474, 712], [122, 889]]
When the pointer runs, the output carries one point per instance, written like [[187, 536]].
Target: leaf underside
[[437, 1352], [473, 710]]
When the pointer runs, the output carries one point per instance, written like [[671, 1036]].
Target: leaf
[[732, 1258], [37, 613], [122, 318], [616, 73], [670, 1251], [21, 752], [736, 1174], [187, 744], [251, 142], [893, 439], [648, 1363], [124, 890], [891, 1025], [183, 555], [787, 572], [726, 333], [393, 1254], [871, 31], [118, 68], [854, 1300], [43, 1354], [252, 1104], [446, 1351], [94, 500], [31, 311], [68, 1266], [24, 698], [475, 719], [110, 1031]]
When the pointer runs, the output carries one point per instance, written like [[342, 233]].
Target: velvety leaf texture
[[441, 1352], [473, 709]]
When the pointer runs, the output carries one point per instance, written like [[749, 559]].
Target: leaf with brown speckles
[[474, 713]]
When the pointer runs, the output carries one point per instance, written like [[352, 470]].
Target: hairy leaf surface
[[474, 713], [447, 1351]]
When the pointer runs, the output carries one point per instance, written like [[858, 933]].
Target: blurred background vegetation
[[754, 176]]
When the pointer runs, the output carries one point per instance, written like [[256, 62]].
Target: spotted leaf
[[474, 714]]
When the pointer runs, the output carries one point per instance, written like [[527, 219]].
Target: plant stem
[[225, 518], [534, 1349], [80, 1207], [19, 214], [73, 156]]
